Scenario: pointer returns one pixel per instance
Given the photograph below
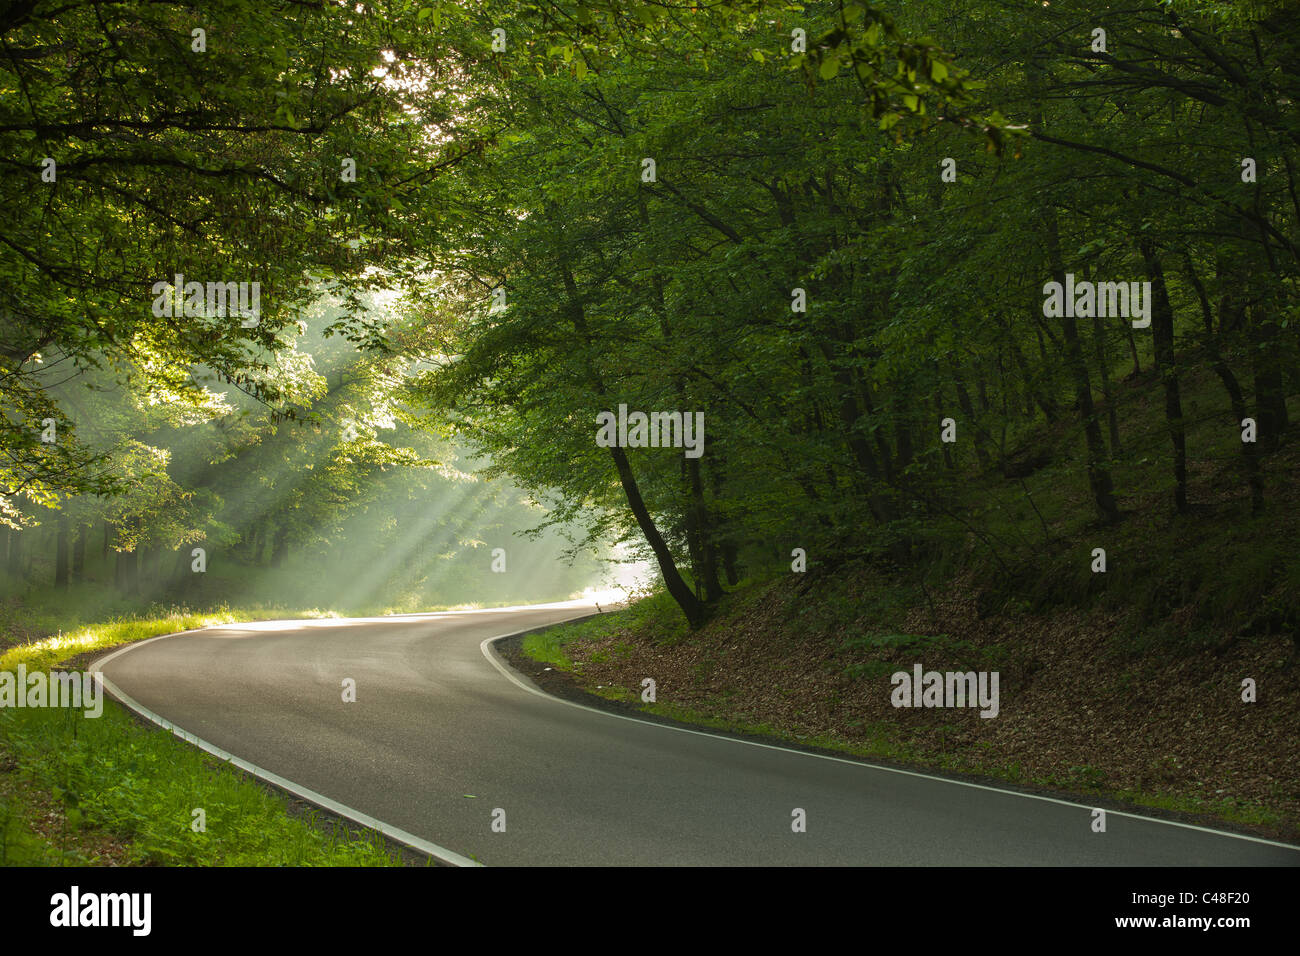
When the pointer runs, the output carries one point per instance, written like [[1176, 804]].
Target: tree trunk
[[1270, 387], [1108, 393], [127, 572], [1249, 450], [1099, 479], [691, 606], [1044, 399], [14, 560], [968, 409], [1133, 348], [61, 552], [698, 522], [727, 547], [279, 546], [79, 553], [1162, 333], [255, 545], [182, 570], [869, 468]]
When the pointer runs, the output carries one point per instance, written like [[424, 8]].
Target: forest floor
[[1124, 684], [1079, 714]]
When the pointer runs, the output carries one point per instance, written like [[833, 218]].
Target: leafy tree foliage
[[830, 228]]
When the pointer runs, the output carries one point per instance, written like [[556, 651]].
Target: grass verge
[[90, 791]]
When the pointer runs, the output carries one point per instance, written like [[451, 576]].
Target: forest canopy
[[910, 265]]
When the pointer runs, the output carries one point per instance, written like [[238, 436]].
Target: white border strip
[[440, 853], [494, 658], [311, 796]]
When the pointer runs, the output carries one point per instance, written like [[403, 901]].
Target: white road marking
[[455, 859], [494, 658], [311, 796]]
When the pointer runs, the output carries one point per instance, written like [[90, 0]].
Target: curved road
[[442, 734]]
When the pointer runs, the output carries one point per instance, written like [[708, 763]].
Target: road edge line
[[442, 854], [497, 660]]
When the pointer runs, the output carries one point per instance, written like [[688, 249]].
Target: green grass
[[141, 785], [548, 646], [136, 784], [39, 655], [20, 844]]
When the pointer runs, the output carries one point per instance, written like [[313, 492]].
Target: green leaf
[[829, 68]]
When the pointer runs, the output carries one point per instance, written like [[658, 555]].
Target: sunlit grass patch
[[125, 630], [141, 785]]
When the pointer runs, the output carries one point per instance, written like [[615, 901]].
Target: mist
[[311, 486]]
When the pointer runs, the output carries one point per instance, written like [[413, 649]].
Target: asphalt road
[[440, 737]]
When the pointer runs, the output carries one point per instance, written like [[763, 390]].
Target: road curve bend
[[443, 741]]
